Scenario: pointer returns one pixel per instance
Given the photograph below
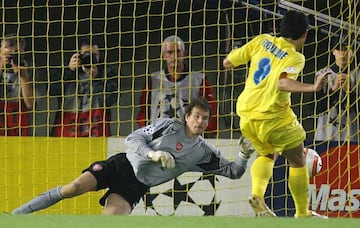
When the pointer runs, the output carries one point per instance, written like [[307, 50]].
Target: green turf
[[100, 221]]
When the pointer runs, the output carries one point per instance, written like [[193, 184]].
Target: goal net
[[54, 121]]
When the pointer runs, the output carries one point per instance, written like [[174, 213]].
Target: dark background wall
[[130, 34]]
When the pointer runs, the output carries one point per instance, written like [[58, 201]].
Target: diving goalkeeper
[[156, 154]]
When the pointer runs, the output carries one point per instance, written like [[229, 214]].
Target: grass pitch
[[98, 221]]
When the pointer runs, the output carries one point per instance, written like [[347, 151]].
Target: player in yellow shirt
[[266, 117]]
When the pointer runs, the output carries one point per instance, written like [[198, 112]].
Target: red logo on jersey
[[97, 167], [179, 146]]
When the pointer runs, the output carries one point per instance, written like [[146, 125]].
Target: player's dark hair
[[200, 102], [340, 42], [294, 24]]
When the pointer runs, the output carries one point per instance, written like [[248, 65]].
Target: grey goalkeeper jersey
[[190, 154]]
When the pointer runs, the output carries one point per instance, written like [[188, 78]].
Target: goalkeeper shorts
[[116, 174]]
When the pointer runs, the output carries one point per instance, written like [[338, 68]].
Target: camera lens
[[17, 58], [87, 59]]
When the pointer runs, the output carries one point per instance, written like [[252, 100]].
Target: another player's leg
[[84, 183], [262, 168], [116, 205], [261, 172], [299, 181]]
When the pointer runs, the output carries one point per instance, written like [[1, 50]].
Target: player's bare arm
[[290, 85]]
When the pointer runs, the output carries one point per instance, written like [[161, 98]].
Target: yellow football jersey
[[269, 56]]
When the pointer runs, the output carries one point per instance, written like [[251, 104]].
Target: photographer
[[16, 88], [86, 60], [82, 103]]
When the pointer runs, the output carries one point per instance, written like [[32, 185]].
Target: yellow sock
[[261, 171], [298, 185]]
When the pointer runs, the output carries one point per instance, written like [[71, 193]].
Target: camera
[[87, 59], [17, 59]]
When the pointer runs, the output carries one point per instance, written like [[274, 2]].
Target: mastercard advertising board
[[334, 191]]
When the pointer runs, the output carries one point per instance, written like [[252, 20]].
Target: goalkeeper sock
[[261, 171], [40, 202], [298, 185]]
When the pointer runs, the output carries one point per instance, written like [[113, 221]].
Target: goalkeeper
[[266, 118], [156, 154]]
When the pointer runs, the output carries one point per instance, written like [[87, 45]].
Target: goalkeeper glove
[[167, 160], [246, 147]]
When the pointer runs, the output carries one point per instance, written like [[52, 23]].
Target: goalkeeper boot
[[246, 147], [313, 214], [260, 207]]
